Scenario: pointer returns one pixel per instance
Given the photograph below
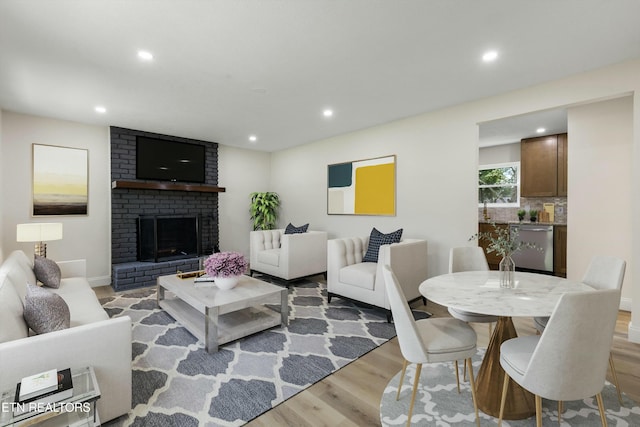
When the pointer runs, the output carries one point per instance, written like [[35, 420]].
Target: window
[[499, 185]]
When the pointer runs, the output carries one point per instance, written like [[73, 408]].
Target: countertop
[[523, 223]]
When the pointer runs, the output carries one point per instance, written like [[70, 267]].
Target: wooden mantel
[[174, 186]]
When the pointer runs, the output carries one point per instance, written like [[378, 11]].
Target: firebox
[[165, 238]]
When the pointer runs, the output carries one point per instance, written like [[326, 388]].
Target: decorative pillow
[[47, 272], [377, 239], [45, 311], [292, 229]]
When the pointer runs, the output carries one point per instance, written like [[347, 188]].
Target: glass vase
[[507, 270]]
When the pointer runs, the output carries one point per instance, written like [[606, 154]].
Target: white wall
[[600, 186], [84, 237], [1, 180], [241, 172], [436, 168], [504, 153]]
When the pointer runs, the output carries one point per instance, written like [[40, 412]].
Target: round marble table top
[[480, 292]]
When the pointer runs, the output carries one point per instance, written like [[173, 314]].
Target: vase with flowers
[[504, 241], [225, 268]]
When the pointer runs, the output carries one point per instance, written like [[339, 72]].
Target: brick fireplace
[[132, 199]]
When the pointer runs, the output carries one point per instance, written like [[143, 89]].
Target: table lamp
[[39, 233]]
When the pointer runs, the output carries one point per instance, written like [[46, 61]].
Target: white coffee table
[[219, 316]]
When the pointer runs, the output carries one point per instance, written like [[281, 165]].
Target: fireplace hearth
[[167, 238]]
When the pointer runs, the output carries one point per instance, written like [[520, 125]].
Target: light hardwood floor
[[351, 396]]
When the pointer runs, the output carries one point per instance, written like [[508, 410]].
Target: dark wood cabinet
[[543, 165], [560, 250], [562, 165], [492, 258]]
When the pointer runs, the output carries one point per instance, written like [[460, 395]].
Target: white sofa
[[348, 276], [92, 340], [288, 256]]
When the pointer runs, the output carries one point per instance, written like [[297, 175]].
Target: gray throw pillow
[[45, 311], [47, 272], [292, 229]]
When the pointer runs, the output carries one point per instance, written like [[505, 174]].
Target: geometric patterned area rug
[[176, 382], [439, 404]]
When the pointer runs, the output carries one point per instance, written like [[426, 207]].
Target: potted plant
[[264, 210], [521, 214], [226, 268], [533, 215]]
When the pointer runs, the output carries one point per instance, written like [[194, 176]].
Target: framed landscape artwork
[[362, 187], [60, 180]]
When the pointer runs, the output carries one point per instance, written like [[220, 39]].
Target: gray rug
[[177, 383], [439, 404]]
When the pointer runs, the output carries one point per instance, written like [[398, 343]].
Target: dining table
[[532, 295]]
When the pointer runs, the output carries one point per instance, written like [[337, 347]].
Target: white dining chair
[[428, 340], [469, 258], [604, 272], [569, 360]]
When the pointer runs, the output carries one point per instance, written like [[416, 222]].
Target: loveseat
[[93, 339], [288, 256]]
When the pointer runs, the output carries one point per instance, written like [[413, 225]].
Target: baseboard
[[99, 281], [625, 304], [634, 333]]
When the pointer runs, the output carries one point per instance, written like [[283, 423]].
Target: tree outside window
[[499, 185]]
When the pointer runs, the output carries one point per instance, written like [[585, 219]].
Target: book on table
[[63, 390], [203, 281], [40, 383]]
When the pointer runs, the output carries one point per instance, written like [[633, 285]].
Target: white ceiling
[[225, 69]]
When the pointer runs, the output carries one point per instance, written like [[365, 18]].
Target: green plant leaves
[[264, 210]]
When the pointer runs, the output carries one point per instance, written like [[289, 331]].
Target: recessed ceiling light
[[540, 130], [145, 55], [253, 138], [327, 113], [100, 109], [490, 56]]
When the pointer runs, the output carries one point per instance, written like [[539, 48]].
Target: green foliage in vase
[[503, 241], [521, 213], [533, 214], [264, 210]]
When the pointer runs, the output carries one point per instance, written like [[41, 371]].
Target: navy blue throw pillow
[[291, 229], [377, 239]]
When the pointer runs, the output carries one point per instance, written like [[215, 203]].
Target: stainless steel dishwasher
[[534, 259]]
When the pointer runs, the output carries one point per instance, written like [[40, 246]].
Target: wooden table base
[[520, 403]]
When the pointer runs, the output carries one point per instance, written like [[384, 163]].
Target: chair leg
[[490, 329], [457, 375], [473, 390], [413, 395], [404, 370], [424, 301], [464, 372], [603, 417], [538, 411], [615, 378], [560, 409], [503, 399]]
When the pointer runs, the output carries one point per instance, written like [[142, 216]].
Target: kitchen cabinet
[[543, 166], [560, 250], [492, 258]]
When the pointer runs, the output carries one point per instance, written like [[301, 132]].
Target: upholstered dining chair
[[428, 340], [604, 272], [569, 360], [469, 258]]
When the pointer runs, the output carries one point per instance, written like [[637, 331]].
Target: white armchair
[[349, 277], [288, 256]]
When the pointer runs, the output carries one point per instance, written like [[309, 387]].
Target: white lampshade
[[39, 232]]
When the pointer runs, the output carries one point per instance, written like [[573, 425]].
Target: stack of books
[[42, 389]]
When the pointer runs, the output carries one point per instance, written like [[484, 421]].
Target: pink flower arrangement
[[225, 264]]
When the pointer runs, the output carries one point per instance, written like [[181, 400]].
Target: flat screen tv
[[163, 160]]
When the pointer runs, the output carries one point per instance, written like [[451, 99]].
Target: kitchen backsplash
[[511, 214]]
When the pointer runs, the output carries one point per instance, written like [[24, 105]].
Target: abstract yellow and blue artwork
[[362, 187], [60, 180]]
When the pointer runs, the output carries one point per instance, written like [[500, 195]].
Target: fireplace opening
[[165, 238]]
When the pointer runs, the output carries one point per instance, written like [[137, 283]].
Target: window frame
[[517, 184]]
